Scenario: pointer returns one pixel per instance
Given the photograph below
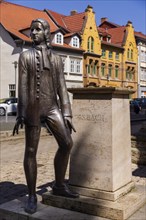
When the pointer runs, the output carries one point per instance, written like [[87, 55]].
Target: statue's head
[[42, 28]]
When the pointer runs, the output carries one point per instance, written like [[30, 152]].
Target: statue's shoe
[[31, 205], [64, 191]]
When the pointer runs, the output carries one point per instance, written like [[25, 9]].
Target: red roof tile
[[108, 24], [16, 17], [58, 18], [140, 35], [74, 23], [117, 35]]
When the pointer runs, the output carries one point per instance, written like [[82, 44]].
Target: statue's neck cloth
[[45, 55]]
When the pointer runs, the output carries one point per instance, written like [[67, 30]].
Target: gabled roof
[[58, 18], [140, 35], [71, 35], [108, 24], [117, 34], [72, 23], [16, 17]]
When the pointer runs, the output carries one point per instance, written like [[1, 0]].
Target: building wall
[[91, 60], [141, 45], [130, 63], [8, 54], [73, 78], [106, 79]]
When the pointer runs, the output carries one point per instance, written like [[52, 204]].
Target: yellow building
[[91, 43], [110, 57], [119, 55]]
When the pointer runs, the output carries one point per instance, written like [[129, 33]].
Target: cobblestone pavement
[[12, 179]]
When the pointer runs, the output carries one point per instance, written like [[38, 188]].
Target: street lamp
[[15, 66]]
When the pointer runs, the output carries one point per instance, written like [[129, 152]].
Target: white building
[[141, 45], [15, 23]]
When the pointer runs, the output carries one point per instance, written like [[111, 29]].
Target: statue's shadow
[[140, 171], [10, 191], [48, 186]]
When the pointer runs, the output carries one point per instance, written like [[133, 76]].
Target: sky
[[117, 11]]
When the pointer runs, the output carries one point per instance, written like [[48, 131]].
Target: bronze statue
[[41, 82]]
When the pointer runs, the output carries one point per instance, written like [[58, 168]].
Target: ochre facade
[[107, 63]]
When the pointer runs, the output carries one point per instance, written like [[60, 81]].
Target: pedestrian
[[136, 107], [41, 83]]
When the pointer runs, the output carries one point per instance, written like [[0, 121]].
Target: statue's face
[[37, 33]]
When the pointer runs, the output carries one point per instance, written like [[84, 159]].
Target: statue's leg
[[32, 135], [55, 122]]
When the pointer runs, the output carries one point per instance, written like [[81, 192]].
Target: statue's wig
[[46, 28]]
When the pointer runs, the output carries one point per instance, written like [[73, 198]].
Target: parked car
[[8, 105]]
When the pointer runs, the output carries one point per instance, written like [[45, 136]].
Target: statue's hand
[[19, 123], [69, 124]]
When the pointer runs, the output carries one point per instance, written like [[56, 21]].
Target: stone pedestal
[[100, 163], [101, 158]]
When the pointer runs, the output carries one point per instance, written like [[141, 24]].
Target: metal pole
[[15, 66]]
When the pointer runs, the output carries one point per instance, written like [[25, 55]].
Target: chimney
[[129, 23], [103, 19], [73, 12]]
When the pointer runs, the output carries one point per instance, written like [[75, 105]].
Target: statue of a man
[[41, 83]]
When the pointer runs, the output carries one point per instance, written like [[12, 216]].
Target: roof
[[108, 24], [117, 34], [58, 18], [25, 15], [140, 35], [72, 23]]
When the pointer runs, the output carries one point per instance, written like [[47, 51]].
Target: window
[[103, 69], [116, 71], [75, 66], [117, 56], [88, 68], [78, 66], [143, 56], [94, 69], [143, 74], [129, 75], [75, 41], [110, 55], [103, 53], [59, 38], [12, 90], [110, 70], [90, 45], [109, 39], [130, 52]]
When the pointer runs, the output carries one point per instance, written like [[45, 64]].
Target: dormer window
[[75, 41], [59, 38], [108, 39]]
